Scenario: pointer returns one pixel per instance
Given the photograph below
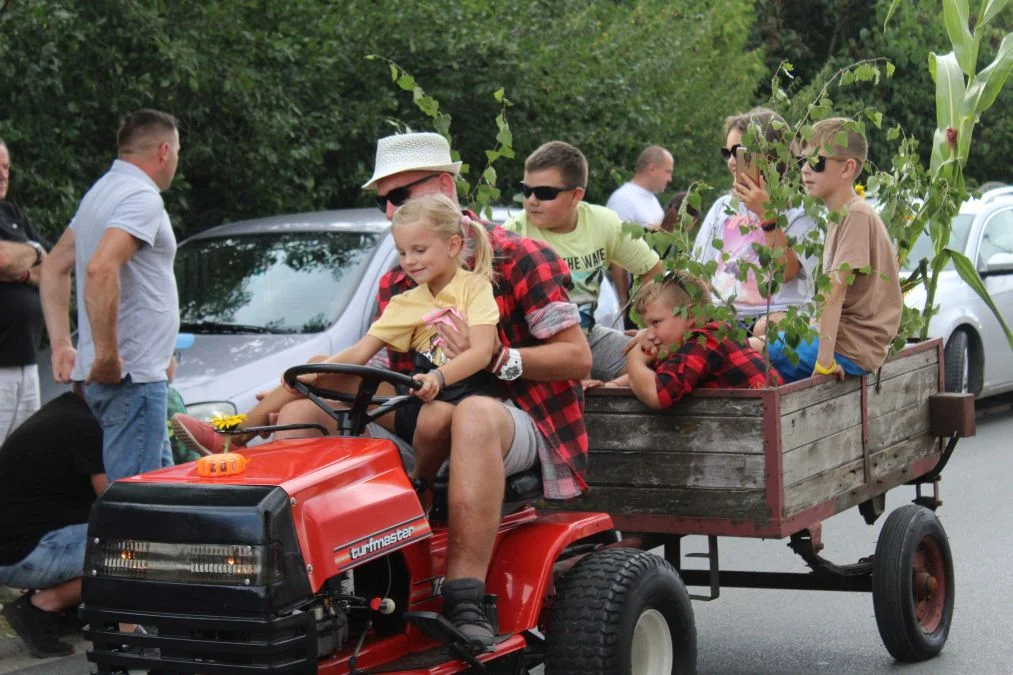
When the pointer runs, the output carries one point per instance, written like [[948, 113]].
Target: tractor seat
[[521, 489]]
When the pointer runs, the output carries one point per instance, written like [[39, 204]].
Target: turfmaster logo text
[[375, 544]]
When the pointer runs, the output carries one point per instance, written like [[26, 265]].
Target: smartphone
[[746, 164]]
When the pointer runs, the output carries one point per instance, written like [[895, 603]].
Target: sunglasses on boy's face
[[727, 153], [544, 193], [820, 163], [400, 195]]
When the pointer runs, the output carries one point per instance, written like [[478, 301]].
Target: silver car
[[978, 357], [263, 295]]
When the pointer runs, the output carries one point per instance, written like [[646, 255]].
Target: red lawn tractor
[[316, 556]]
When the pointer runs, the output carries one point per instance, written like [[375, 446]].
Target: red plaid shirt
[[529, 277], [719, 363]]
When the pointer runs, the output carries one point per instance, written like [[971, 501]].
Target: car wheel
[[960, 371]]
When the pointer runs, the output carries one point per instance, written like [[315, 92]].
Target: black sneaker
[[36, 627], [464, 606]]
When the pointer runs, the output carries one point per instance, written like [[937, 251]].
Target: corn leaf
[[956, 15], [965, 268], [989, 10], [986, 85]]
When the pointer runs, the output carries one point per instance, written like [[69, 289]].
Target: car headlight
[[226, 564], [205, 410]]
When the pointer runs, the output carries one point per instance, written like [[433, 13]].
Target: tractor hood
[[350, 498]]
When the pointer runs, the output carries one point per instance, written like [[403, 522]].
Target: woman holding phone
[[738, 227]]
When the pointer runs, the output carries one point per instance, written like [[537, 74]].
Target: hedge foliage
[[280, 108]]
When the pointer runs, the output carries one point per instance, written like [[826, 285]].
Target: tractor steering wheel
[[351, 421]]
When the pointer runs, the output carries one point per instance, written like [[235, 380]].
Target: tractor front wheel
[[621, 611]]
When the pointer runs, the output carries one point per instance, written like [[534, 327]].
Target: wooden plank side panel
[[823, 454], [818, 393], [691, 406], [900, 411], [897, 366], [900, 392], [661, 433], [822, 419], [676, 469], [746, 505], [849, 476]]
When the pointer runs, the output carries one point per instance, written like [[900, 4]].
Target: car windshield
[[297, 282], [959, 232]]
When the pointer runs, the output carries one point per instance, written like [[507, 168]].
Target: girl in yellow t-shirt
[[433, 241]]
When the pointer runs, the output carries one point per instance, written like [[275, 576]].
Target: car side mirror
[[999, 263]]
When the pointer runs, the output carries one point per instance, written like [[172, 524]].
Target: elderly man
[[21, 254], [121, 246]]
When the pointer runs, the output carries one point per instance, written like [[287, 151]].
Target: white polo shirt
[[126, 198]]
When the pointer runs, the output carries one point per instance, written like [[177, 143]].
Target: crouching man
[[50, 472]]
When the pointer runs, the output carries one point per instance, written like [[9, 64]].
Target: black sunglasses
[[544, 193], [728, 152], [820, 165], [400, 195]]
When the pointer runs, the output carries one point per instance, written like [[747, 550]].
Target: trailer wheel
[[621, 611], [912, 584]]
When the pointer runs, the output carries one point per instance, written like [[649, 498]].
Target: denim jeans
[[807, 352], [58, 557], [135, 438]]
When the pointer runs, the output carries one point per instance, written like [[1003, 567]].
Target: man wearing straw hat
[[542, 357]]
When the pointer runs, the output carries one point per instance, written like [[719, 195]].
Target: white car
[[978, 357]]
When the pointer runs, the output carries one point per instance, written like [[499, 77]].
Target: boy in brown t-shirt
[[861, 310]]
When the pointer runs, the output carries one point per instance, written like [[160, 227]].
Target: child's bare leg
[[432, 439], [760, 327]]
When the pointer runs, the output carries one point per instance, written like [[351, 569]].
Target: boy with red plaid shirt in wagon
[[673, 355]]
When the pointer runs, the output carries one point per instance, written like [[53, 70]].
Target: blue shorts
[[135, 438], [807, 352], [58, 557]]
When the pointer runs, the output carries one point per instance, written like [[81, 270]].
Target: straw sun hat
[[411, 152]]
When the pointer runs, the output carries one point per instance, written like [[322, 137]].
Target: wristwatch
[[39, 251], [512, 368]]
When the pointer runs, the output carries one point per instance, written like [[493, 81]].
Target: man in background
[[121, 247], [637, 201], [22, 251]]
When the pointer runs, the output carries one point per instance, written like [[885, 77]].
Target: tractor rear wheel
[[621, 611]]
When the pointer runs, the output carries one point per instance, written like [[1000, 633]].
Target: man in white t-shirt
[[637, 200]]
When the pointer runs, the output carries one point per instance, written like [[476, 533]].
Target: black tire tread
[[586, 620], [891, 587]]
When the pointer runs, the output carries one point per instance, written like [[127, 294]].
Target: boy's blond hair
[[679, 287], [823, 138], [443, 215], [570, 162]]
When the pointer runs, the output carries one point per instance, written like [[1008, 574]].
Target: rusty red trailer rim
[[929, 584]]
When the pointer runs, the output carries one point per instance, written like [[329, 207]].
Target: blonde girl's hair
[[444, 217]]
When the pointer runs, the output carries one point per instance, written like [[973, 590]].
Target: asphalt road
[[750, 632]]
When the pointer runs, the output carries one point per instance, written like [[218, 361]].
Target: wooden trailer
[[775, 463]]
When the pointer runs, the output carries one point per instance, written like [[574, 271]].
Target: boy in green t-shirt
[[588, 237]]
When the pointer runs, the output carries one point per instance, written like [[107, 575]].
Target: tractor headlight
[[226, 564]]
